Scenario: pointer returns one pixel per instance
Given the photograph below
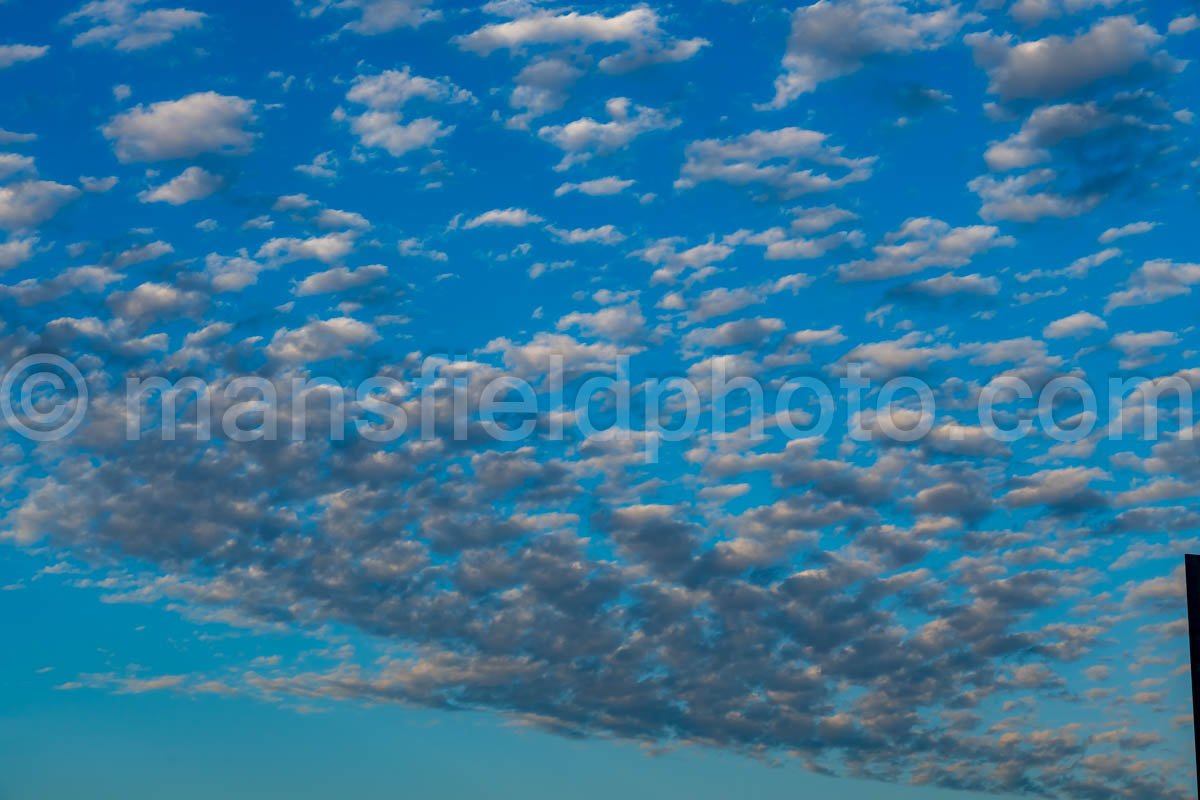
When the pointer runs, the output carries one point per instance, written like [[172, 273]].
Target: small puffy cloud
[[11, 137], [12, 164], [376, 16], [620, 323], [16, 53], [597, 187], [503, 218], [559, 43], [776, 159], [16, 252], [1154, 282], [332, 219], [194, 183], [1047, 126], [603, 234], [1074, 326], [416, 248], [1034, 12], [782, 245], [97, 185], [127, 26], [140, 254], [29, 203], [392, 89], [232, 274], [384, 130], [638, 29], [819, 218], [1058, 65], [204, 122], [324, 165], [339, 279], [950, 285], [1138, 349], [385, 95], [1182, 25], [1080, 267], [921, 243], [293, 202], [829, 40], [584, 138], [321, 339], [1064, 489], [151, 300], [1132, 229], [1015, 198], [670, 261], [913, 351], [329, 248], [739, 333]]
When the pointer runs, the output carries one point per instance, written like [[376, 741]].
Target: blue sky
[[948, 195]]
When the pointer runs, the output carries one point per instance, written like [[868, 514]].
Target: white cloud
[[503, 217], [671, 261], [924, 242], [194, 183], [378, 16], [140, 254], [1012, 198], [385, 95], [584, 138], [293, 202], [392, 89], [385, 131], [1154, 282], [332, 218], [415, 248], [323, 165], [782, 245], [126, 26], [97, 185], [1046, 127], [320, 340], [205, 122], [777, 159], [29, 203], [1058, 65], [1074, 326], [12, 164], [597, 187], [604, 234], [328, 248], [819, 218], [542, 84], [638, 28], [1080, 267], [16, 252], [831, 39], [16, 53], [339, 279], [10, 137], [1034, 12], [232, 274], [618, 323], [1132, 229], [1182, 25], [1138, 349], [949, 285]]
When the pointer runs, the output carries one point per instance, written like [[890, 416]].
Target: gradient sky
[[343, 188]]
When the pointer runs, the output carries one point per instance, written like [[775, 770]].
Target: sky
[[730, 399]]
